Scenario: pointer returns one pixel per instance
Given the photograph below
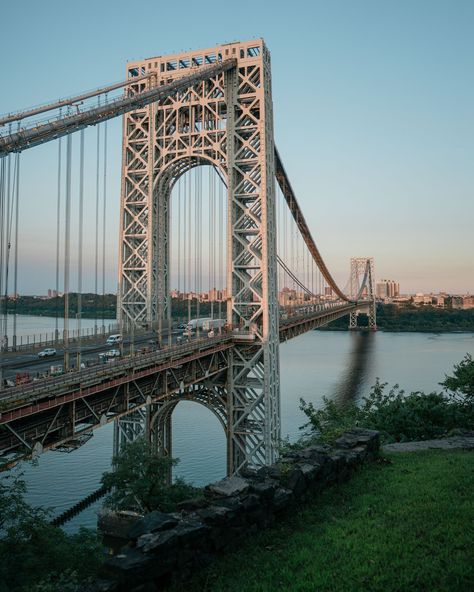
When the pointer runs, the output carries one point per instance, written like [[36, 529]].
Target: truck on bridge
[[206, 325]]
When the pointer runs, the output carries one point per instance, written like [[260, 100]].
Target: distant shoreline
[[71, 317]]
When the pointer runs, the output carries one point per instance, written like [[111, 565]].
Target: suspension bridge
[[205, 203]]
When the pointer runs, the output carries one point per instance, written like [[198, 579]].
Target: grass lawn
[[405, 526]]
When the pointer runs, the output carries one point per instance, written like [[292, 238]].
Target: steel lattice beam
[[27, 138]]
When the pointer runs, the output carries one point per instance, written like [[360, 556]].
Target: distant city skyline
[[373, 119]]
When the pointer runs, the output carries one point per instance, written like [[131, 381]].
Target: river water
[[336, 364], [33, 328]]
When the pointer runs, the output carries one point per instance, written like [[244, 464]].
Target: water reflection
[[349, 388]]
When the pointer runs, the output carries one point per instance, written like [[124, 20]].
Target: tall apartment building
[[387, 289]]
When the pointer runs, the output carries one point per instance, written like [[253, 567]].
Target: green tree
[[462, 381], [139, 480]]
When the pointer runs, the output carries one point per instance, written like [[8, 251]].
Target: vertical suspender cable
[[210, 242], [2, 194], [168, 296], [188, 237], [9, 216], [4, 251], [2, 234], [6, 248], [58, 239], [196, 240], [15, 269], [104, 219], [67, 255], [178, 235], [3, 238], [185, 234], [97, 199], [222, 275], [184, 253], [80, 241]]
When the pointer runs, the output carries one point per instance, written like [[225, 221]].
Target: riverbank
[[414, 319], [390, 318], [404, 523]]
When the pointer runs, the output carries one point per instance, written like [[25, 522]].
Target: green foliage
[[92, 305], [139, 480], [99, 306], [35, 555], [408, 317], [399, 416], [462, 381], [406, 525]]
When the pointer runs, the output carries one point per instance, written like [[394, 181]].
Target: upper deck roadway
[[50, 411]]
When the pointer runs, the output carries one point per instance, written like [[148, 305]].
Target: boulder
[[158, 542], [282, 498], [152, 522], [229, 486]]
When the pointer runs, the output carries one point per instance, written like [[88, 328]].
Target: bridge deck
[[48, 410], [16, 401]]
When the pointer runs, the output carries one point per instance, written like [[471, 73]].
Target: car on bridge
[[45, 353], [112, 353]]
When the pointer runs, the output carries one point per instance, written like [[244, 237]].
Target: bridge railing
[[85, 377], [52, 339]]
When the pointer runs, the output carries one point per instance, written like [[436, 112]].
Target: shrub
[[398, 416], [35, 554], [139, 480], [461, 385]]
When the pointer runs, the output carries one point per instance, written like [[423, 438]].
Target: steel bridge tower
[[363, 267], [225, 121]]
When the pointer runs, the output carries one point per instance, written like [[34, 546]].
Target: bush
[[139, 480], [461, 385], [34, 554], [401, 417]]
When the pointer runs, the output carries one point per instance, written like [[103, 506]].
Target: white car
[[112, 353], [49, 351]]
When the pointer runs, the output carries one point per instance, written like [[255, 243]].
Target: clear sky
[[373, 106]]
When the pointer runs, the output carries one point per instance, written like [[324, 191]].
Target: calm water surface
[[29, 325], [336, 364]]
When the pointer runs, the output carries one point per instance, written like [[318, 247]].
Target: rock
[[191, 531], [347, 441], [249, 473], [117, 524], [152, 522], [250, 502], [229, 486], [191, 505], [231, 502], [296, 482], [282, 498], [310, 471], [131, 564], [264, 490], [158, 542], [214, 515]]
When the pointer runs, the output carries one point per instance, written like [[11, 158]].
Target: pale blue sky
[[373, 106]]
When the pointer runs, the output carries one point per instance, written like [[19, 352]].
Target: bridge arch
[[160, 425]]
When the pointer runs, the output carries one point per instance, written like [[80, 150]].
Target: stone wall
[[164, 547]]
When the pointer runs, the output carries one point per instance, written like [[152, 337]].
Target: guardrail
[[87, 377], [51, 339]]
